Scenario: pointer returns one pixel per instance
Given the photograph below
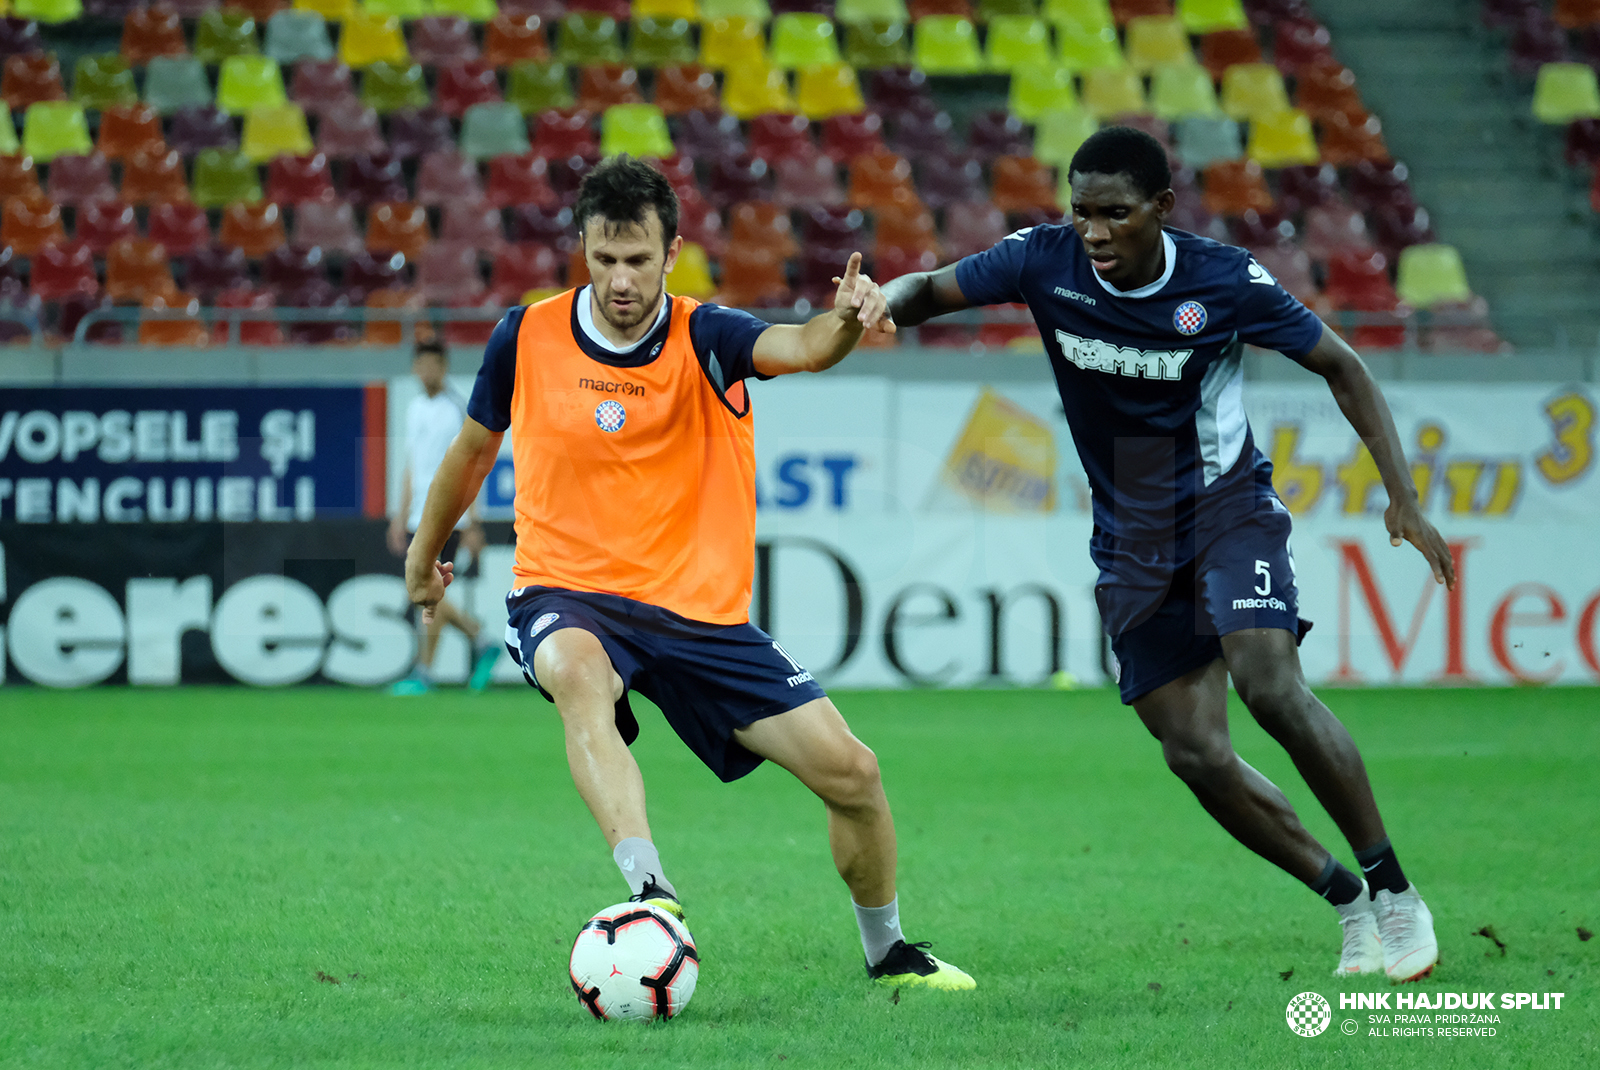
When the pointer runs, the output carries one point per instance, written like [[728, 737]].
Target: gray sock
[[639, 862], [880, 928]]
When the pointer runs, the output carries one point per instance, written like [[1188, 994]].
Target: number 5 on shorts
[[1264, 570]]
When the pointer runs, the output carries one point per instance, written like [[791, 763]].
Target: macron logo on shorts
[[1260, 603]]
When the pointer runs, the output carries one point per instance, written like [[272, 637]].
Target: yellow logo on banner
[[1004, 459]]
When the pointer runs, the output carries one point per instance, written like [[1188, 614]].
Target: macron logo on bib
[[1094, 355]]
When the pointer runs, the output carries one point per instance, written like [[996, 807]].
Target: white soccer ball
[[634, 962]]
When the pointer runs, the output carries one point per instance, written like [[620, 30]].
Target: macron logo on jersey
[[1261, 275], [1094, 355], [1062, 291]]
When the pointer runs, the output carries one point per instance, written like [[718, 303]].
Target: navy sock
[[1336, 884], [1381, 868]]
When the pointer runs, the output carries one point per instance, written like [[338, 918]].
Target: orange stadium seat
[[880, 180], [1221, 50], [1347, 140], [256, 228], [18, 177], [512, 38], [28, 224], [126, 129], [398, 228], [137, 268], [1021, 183], [690, 87], [29, 79], [762, 224], [1233, 187], [181, 324], [752, 276], [152, 31]]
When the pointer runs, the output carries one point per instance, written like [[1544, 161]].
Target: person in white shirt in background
[[433, 419]]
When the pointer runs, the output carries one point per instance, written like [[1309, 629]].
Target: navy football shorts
[[709, 679], [1165, 623]]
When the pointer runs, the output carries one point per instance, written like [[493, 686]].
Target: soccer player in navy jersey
[[1144, 327]]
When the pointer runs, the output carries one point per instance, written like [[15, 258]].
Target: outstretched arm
[[1362, 404], [455, 487], [828, 338], [922, 295]]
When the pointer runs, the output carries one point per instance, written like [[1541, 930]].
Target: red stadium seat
[[367, 273], [444, 175], [374, 179], [844, 137], [102, 224], [61, 269], [1299, 44], [289, 270], [417, 132], [461, 85], [294, 180], [515, 180], [1224, 48], [803, 183], [79, 180], [448, 272], [774, 137], [251, 332], [564, 132], [209, 271], [328, 225], [29, 79], [608, 84], [972, 226], [521, 267], [180, 227], [473, 222], [440, 40], [321, 84], [737, 178]]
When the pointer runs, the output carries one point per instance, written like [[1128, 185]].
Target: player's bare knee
[[1199, 760], [854, 783], [576, 669], [1277, 698]]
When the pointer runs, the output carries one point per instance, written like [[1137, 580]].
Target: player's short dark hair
[[621, 190], [431, 349], [1122, 150]]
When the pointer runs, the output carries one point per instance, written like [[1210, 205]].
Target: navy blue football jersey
[[1152, 379]]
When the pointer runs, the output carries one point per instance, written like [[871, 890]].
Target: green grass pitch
[[334, 878]]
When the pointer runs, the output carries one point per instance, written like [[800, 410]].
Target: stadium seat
[[803, 40], [279, 131], [101, 224], [1332, 228], [1109, 91], [256, 228], [208, 271], [1359, 278], [171, 318], [1125, 11], [1346, 141], [76, 181], [607, 85], [1233, 187], [836, 227], [1298, 45], [665, 9], [1283, 139], [295, 35], [560, 134], [404, 10], [461, 85], [1016, 41], [998, 133], [137, 268], [949, 178], [1582, 143], [587, 38], [384, 325], [54, 128], [155, 177], [125, 129], [473, 222], [291, 268], [1022, 182], [103, 82], [705, 134], [440, 40], [679, 170], [28, 224], [1204, 140], [522, 266], [18, 177], [349, 128], [448, 271], [1084, 47], [1221, 50], [49, 12], [1300, 188], [691, 275], [415, 132], [1210, 16], [900, 89], [802, 183], [368, 39], [752, 278], [1564, 92], [825, 91], [1398, 226], [925, 9], [1057, 135], [493, 130], [547, 224], [471, 10], [1182, 90], [844, 137], [297, 180], [686, 88], [374, 179], [657, 42], [763, 224], [739, 9], [222, 177], [61, 270], [877, 44], [251, 332], [204, 127], [1534, 43], [815, 270], [989, 10], [1252, 90], [750, 89], [248, 82], [150, 31], [19, 36], [514, 38], [915, 134], [737, 178], [946, 44], [907, 225], [367, 273], [1038, 88], [387, 87], [774, 137], [31, 79], [520, 180], [1575, 14], [1156, 42], [637, 129], [727, 44], [225, 32], [319, 86], [857, 11], [444, 175], [332, 10], [398, 228], [536, 86], [1328, 89]]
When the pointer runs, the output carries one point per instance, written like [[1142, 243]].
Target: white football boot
[[1363, 950], [1405, 925]]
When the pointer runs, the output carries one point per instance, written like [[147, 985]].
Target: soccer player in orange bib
[[634, 457]]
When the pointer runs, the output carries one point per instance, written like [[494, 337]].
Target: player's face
[[1120, 227], [429, 370], [628, 264]]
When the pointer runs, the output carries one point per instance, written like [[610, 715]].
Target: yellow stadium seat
[[249, 82], [803, 40], [732, 41], [1017, 40], [666, 9], [1429, 274], [947, 44], [637, 129], [52, 128], [1181, 90], [471, 10], [1057, 135], [752, 89], [368, 39], [1109, 91], [1564, 92], [1083, 48], [1089, 14], [826, 91], [848, 11], [1208, 16], [1252, 89], [332, 10], [404, 10], [275, 131], [9, 146], [1283, 139], [50, 11], [691, 275], [1154, 42], [735, 9], [1037, 88]]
